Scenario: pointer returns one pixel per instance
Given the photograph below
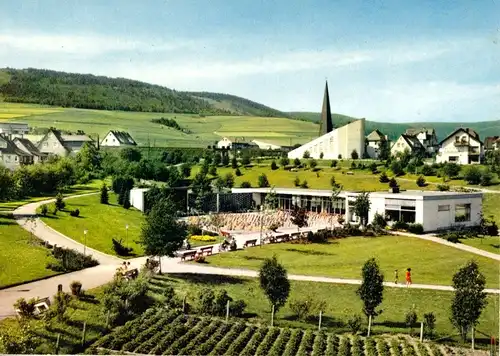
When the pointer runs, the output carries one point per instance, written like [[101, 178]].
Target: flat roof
[[404, 194]]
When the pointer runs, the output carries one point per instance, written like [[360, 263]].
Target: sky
[[396, 61]]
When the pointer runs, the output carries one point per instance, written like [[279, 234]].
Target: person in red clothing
[[408, 277]]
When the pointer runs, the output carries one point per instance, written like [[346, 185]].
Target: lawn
[[197, 243], [488, 243], [341, 300], [103, 222], [20, 259], [431, 263]]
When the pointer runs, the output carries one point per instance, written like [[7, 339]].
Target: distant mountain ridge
[[483, 128]]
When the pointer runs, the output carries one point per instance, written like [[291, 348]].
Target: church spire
[[326, 115]]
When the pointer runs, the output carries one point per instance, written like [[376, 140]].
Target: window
[[15, 158], [462, 212], [453, 158], [45, 144], [443, 208]]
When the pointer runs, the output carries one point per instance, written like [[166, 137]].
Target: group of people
[[407, 277]]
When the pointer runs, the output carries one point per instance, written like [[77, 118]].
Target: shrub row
[[422, 349], [174, 334], [226, 341], [201, 337], [307, 342], [370, 347], [293, 343], [383, 348], [396, 348], [267, 343], [208, 346], [357, 346], [254, 342], [436, 351], [344, 347], [241, 341], [319, 344], [149, 328], [408, 349], [148, 345], [183, 340], [279, 345], [332, 345]]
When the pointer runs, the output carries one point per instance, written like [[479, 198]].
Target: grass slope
[[344, 258]]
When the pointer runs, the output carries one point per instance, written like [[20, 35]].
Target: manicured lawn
[[489, 243], [341, 300], [195, 243], [491, 206], [431, 263], [103, 223], [20, 260]]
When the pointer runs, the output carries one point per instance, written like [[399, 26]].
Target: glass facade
[[311, 203], [400, 210]]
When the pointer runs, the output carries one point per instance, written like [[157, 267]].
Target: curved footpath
[[102, 274]]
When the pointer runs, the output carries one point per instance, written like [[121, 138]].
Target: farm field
[[205, 130], [343, 258], [192, 335], [103, 223]]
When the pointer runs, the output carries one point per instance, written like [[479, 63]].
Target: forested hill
[[443, 129], [88, 91], [238, 105]]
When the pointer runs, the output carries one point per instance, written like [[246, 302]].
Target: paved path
[[102, 274]]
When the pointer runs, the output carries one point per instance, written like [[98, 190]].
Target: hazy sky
[[384, 60]]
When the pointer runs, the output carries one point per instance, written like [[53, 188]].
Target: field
[[103, 223], [205, 130], [343, 258], [192, 335]]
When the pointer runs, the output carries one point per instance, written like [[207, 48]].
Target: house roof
[[375, 135], [490, 140], [76, 138], [12, 148], [416, 131], [124, 137], [28, 146], [412, 141], [466, 130]]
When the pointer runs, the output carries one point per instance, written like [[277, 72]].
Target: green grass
[[341, 300], [488, 243], [431, 263], [103, 223], [20, 259], [205, 130], [196, 243]]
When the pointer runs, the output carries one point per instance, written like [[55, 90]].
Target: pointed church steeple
[[326, 115]]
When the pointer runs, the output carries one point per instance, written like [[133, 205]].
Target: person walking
[[408, 277], [395, 276]]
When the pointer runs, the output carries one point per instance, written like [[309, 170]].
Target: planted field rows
[[163, 331]]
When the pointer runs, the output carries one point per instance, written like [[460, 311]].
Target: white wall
[[110, 140], [373, 149], [224, 143], [434, 220], [448, 149], [137, 198], [400, 146]]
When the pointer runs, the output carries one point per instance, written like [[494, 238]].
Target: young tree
[[284, 161], [225, 159], [306, 154], [421, 181], [121, 195], [372, 288], [104, 194], [212, 171], [274, 282], [362, 207], [237, 172], [263, 181], [472, 175], [162, 234], [299, 217], [385, 150], [245, 159], [383, 178], [217, 159], [321, 155], [60, 204], [229, 180], [469, 298], [185, 170], [126, 199], [296, 162], [396, 168], [333, 182], [393, 183], [334, 163], [336, 190], [354, 154], [130, 154], [201, 189], [245, 185], [313, 163], [234, 162], [274, 166]]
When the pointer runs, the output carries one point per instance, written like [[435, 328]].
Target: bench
[[188, 254], [208, 250], [250, 242]]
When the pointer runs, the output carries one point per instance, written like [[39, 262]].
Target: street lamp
[[126, 235], [85, 241]]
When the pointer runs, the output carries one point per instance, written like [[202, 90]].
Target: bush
[[306, 155], [416, 228], [427, 170], [379, 222], [296, 162], [75, 213], [212, 171], [193, 229], [296, 181], [59, 204], [245, 185], [274, 166], [393, 183], [353, 165], [304, 184], [199, 258], [443, 187], [354, 154], [26, 308], [232, 245], [313, 163], [234, 162], [307, 307], [354, 323], [396, 168], [70, 260], [284, 161], [104, 198], [120, 249], [472, 175], [333, 164], [44, 209], [263, 181], [126, 200], [237, 172], [421, 181], [61, 303], [411, 318], [237, 308], [373, 167], [400, 225], [76, 288], [429, 323], [486, 178], [383, 178]]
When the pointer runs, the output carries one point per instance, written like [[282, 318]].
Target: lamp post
[[126, 235], [85, 241]]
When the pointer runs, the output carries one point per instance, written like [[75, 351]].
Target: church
[[333, 143]]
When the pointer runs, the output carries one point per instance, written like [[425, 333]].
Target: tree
[[354, 154], [225, 160], [299, 217], [217, 159], [245, 159], [306, 155], [162, 234], [321, 155], [89, 158], [245, 185], [126, 200], [263, 181], [296, 181], [472, 175], [104, 194], [274, 166], [234, 162], [372, 288], [237, 172], [334, 163], [212, 171], [421, 181], [333, 182], [469, 298], [6, 183], [361, 207], [336, 190], [59, 203], [274, 282], [385, 150], [486, 177], [201, 189], [383, 178], [229, 180], [185, 170], [130, 154], [313, 163], [393, 183], [450, 170], [296, 162], [284, 161], [121, 195], [396, 168]]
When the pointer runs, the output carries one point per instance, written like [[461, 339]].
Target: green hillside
[[483, 128]]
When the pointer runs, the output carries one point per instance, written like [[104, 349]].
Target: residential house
[[13, 129], [407, 143], [27, 146], [11, 156], [118, 139], [462, 146], [55, 143], [374, 142], [491, 143], [427, 138], [224, 143]]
